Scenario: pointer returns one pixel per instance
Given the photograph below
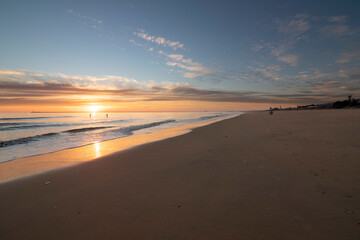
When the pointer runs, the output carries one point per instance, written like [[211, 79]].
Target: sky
[[186, 55]]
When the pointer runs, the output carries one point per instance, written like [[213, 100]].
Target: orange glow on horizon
[[139, 106]]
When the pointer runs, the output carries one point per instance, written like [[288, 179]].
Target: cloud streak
[[295, 26], [90, 20], [194, 69], [290, 59], [158, 40], [338, 27], [338, 19], [292, 30]]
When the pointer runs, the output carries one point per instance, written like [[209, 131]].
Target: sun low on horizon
[[94, 108]]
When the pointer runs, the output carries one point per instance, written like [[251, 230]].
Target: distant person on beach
[[270, 111], [90, 115], [107, 115]]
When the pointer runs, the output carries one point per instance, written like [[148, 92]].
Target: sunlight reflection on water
[[97, 149]]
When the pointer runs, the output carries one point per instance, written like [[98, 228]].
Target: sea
[[31, 134]]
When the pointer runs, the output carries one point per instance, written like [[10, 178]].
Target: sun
[[94, 108]]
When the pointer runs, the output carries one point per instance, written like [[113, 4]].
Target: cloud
[[62, 88], [90, 20], [10, 72], [132, 41], [337, 30], [193, 93], [338, 27], [194, 69], [256, 47], [290, 59], [42, 80], [342, 73], [172, 64], [337, 19], [280, 48], [295, 26], [158, 40], [48, 89], [311, 86], [292, 31], [310, 76], [261, 74], [187, 92], [158, 89], [348, 56], [332, 85]]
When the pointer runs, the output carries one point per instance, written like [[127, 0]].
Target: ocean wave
[[77, 130], [25, 139], [210, 117], [16, 127], [112, 121], [124, 130], [27, 125], [129, 130], [203, 118], [11, 123], [41, 136], [30, 118]]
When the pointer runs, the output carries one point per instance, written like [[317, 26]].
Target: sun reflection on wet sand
[[97, 149]]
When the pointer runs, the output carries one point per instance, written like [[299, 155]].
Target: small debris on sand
[[349, 212]]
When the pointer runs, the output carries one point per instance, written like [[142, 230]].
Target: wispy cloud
[[295, 26], [338, 19], [312, 74], [92, 82], [256, 47], [280, 48], [91, 20], [348, 56], [337, 26], [261, 74], [338, 83], [132, 41], [28, 88], [194, 69], [291, 30], [290, 59], [337, 30], [158, 40]]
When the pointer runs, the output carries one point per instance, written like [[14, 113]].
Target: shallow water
[[29, 134]]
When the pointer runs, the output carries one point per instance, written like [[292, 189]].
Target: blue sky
[[207, 51]]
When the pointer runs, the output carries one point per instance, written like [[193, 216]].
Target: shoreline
[[32, 165], [292, 175]]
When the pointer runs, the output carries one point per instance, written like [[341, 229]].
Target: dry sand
[[293, 175]]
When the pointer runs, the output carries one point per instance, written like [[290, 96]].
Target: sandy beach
[[292, 175]]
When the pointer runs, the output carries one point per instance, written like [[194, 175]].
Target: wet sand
[[292, 175]]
